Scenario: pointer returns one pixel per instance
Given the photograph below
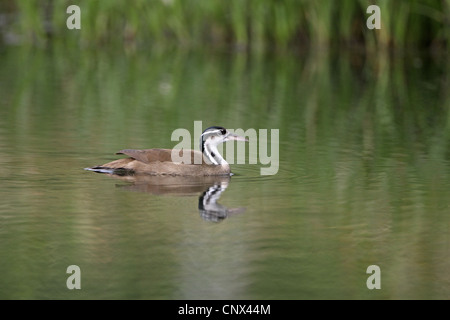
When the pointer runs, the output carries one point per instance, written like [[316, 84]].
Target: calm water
[[364, 176]]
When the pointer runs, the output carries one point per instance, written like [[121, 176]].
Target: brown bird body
[[208, 162], [159, 162]]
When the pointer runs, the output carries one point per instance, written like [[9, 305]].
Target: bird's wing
[[160, 155]]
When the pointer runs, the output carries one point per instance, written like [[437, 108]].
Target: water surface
[[364, 176]]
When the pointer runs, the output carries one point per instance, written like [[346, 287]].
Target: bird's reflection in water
[[210, 209], [209, 189]]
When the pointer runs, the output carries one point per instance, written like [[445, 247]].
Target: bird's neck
[[212, 154]]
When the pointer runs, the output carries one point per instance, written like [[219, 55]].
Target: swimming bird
[[207, 162]]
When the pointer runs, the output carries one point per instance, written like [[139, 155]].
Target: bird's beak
[[236, 137]]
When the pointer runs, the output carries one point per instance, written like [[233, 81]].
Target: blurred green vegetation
[[247, 24], [320, 95]]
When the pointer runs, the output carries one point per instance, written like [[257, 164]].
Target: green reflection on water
[[363, 178]]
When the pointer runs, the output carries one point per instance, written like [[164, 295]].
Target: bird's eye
[[223, 131]]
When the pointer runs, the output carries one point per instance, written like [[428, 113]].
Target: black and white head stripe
[[214, 130]]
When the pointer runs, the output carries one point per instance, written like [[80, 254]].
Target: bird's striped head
[[211, 138]]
